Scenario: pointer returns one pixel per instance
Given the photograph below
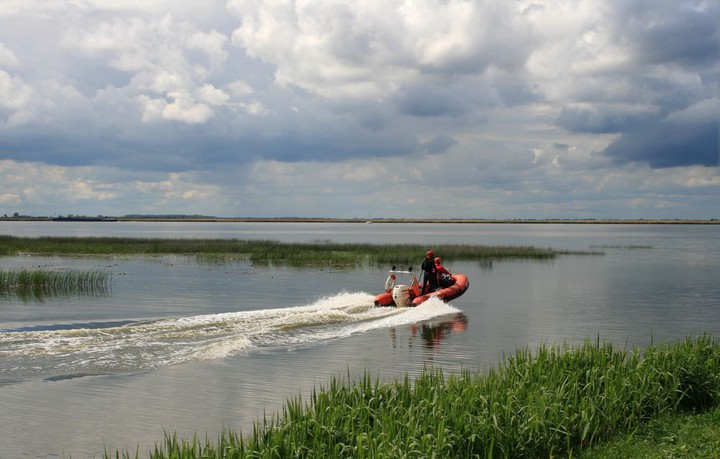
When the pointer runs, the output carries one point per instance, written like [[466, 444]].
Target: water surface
[[177, 345]]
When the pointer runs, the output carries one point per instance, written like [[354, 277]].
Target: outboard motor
[[401, 296]]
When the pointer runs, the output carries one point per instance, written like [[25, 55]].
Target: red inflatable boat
[[409, 295]]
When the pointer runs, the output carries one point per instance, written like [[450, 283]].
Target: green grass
[[687, 436], [320, 253], [555, 402], [35, 284]]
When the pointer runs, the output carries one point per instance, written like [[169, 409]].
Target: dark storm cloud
[[216, 144], [177, 148], [514, 91], [151, 153], [659, 142], [598, 120], [667, 144], [299, 146], [54, 149], [432, 101], [671, 32], [672, 66], [439, 144]]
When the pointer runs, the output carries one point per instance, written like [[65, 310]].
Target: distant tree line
[[166, 216], [19, 216]]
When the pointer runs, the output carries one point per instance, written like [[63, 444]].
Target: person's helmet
[[438, 261], [430, 254]]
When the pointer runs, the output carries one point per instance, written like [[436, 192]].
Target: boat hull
[[445, 294]]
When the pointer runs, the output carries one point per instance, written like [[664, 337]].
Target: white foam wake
[[141, 346]]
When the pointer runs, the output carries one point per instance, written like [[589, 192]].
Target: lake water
[[196, 348]]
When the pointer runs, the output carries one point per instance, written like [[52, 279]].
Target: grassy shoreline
[[693, 435], [560, 401], [312, 254]]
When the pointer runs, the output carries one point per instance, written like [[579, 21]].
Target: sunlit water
[[177, 345]]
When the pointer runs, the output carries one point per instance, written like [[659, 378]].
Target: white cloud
[[9, 198], [183, 108], [369, 49], [57, 190], [176, 188], [164, 81], [7, 57], [683, 177], [575, 45], [123, 43], [152, 109], [14, 93], [254, 108], [84, 190], [240, 88], [211, 43], [11, 8], [212, 95]]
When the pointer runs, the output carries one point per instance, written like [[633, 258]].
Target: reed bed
[[40, 283], [553, 402], [319, 253]]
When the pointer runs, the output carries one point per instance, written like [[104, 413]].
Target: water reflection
[[433, 334], [41, 293], [430, 334]]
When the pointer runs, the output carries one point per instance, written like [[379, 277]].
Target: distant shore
[[578, 221]]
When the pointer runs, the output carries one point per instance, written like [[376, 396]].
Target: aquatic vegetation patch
[[36, 284], [265, 252], [553, 402]]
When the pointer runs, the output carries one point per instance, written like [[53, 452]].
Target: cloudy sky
[[368, 109]]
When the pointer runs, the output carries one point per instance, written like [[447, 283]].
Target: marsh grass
[[311, 254], [37, 284], [550, 403]]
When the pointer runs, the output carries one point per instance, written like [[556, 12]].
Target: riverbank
[[556, 402]]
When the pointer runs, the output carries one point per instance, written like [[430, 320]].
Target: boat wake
[[66, 351]]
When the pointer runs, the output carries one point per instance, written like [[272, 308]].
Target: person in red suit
[[443, 275]]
